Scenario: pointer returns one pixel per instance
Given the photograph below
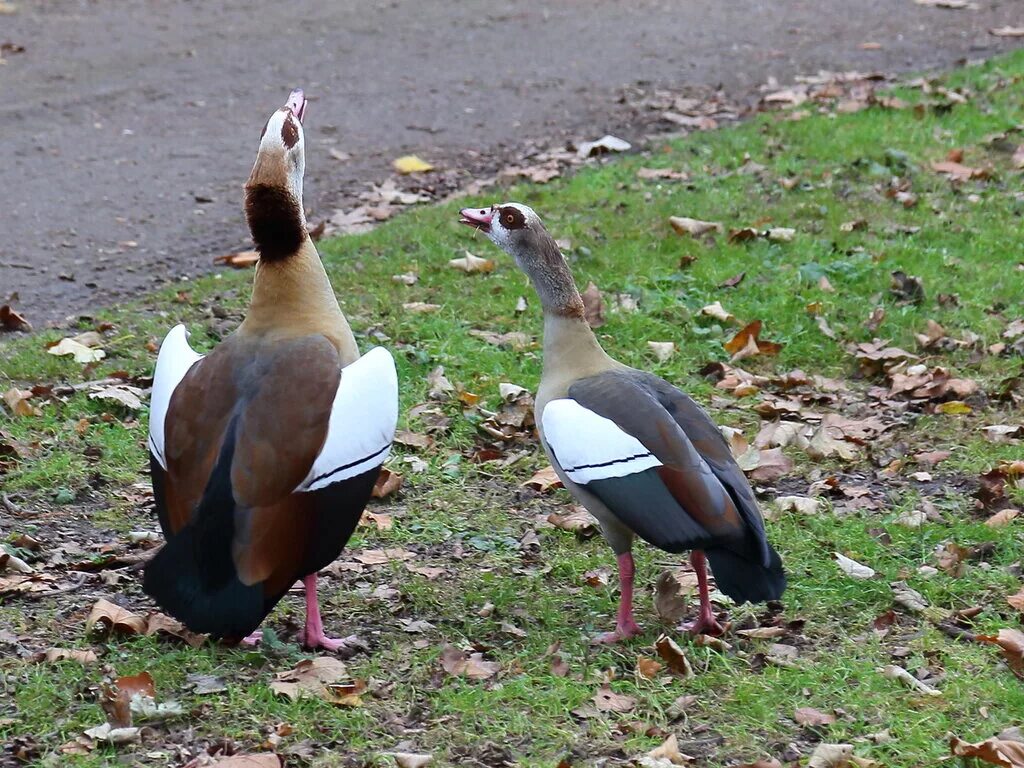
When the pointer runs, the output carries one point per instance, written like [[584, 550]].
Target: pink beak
[[296, 103], [478, 218]]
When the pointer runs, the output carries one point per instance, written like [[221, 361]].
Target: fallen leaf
[[772, 464], [310, 677], [665, 755], [544, 480], [411, 760], [111, 735], [109, 618], [718, 312], [1002, 518], [419, 307], [258, 760], [694, 227], [802, 504], [662, 350], [650, 174], [1007, 31], [1011, 641], [647, 667], [382, 556], [461, 664], [18, 401], [995, 751], [471, 264], [124, 394], [607, 700], [1017, 601], [831, 756], [387, 483], [593, 306], [606, 143], [81, 352], [746, 343], [852, 568], [82, 656], [578, 521], [406, 278], [959, 171], [411, 164], [673, 656], [813, 717], [239, 259], [1003, 433], [762, 633], [671, 600], [10, 320], [733, 281]]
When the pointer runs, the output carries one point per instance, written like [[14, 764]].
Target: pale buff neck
[[293, 297]]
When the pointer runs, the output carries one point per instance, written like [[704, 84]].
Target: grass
[[471, 519]]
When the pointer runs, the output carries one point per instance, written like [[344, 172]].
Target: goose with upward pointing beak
[[265, 451], [641, 456]]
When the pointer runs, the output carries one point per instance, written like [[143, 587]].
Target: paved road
[[127, 128]]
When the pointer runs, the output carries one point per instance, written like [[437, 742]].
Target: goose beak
[[478, 218], [296, 103]]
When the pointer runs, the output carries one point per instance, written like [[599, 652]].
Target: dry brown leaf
[[52, 655], [471, 264], [258, 760], [673, 656], [593, 305], [670, 598], [694, 227], [81, 352], [666, 754], [239, 259], [420, 307], [1011, 641], [746, 343], [10, 320], [413, 440], [310, 677], [412, 760], [1017, 601], [544, 480], [996, 751], [578, 521], [607, 700], [18, 401], [472, 665], [960, 172], [387, 483], [162, 624], [802, 504], [831, 756], [813, 717], [108, 618], [647, 667], [772, 464], [1003, 433], [382, 556], [1007, 31], [718, 312], [762, 633], [651, 174], [894, 672], [1002, 518]]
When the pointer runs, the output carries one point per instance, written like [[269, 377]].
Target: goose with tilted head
[[265, 451], [639, 454]]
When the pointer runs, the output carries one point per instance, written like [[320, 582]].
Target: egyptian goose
[[265, 451], [640, 455]]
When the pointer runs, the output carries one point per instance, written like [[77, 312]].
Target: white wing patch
[[363, 420], [591, 447], [172, 363]]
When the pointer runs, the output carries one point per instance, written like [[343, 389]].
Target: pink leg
[[314, 635], [625, 626], [253, 638], [706, 623]]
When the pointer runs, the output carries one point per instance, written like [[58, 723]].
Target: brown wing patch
[[270, 543], [284, 422], [717, 519]]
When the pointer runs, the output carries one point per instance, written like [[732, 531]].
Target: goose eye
[[509, 218]]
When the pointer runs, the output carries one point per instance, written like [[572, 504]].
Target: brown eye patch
[[289, 132], [512, 218]]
